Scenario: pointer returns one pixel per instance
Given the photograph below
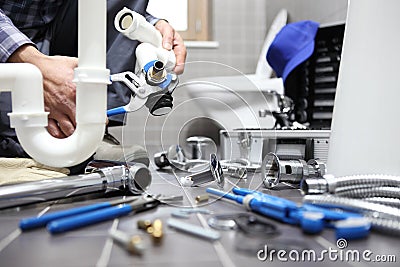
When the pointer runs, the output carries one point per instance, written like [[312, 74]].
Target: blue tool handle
[[330, 214], [80, 220], [223, 194], [243, 191], [36, 222], [116, 111], [352, 228]]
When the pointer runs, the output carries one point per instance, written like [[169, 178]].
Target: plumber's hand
[[172, 40], [59, 94], [58, 89]]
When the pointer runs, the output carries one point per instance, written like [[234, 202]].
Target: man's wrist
[[160, 20], [26, 53]]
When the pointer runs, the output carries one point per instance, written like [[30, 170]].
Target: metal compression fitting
[[275, 171]]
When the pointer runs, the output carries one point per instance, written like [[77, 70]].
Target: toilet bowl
[[235, 101]]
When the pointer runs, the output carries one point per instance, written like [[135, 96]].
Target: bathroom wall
[[240, 28]]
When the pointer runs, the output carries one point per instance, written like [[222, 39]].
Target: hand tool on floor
[[154, 82], [312, 219], [89, 218], [125, 177], [76, 217], [133, 244]]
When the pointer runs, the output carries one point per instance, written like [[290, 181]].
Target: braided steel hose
[[332, 184], [393, 202], [372, 180], [383, 191], [383, 218], [366, 208]]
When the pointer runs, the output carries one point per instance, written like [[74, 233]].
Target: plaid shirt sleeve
[[151, 19], [10, 38]]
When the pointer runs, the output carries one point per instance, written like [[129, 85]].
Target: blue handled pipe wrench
[[311, 218], [153, 88]]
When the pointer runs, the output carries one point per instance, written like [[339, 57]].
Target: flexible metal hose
[[383, 191], [381, 194], [393, 202], [333, 185], [391, 227], [365, 180], [367, 208], [383, 218]]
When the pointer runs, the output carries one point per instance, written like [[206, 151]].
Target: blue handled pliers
[[311, 218], [62, 221]]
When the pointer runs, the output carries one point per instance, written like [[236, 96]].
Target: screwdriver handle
[[238, 199], [80, 220], [36, 222]]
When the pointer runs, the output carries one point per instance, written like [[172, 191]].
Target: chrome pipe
[[124, 178]]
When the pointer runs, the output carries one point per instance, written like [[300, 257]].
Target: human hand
[[173, 41], [59, 94], [58, 89]]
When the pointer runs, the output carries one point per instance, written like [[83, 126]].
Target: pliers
[[62, 221]]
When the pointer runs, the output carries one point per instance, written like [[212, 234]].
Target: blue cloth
[[292, 46]]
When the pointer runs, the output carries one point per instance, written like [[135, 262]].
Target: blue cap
[[292, 46]]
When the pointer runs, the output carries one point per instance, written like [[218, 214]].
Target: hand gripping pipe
[[135, 27], [91, 77]]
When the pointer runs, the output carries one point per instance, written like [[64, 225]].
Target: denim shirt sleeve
[[10, 38]]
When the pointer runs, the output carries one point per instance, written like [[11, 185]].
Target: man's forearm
[[26, 53]]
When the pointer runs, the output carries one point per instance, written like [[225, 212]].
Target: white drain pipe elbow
[[146, 53], [91, 77], [135, 27], [29, 118]]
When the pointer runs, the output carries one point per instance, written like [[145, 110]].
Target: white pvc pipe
[[366, 126], [91, 78], [146, 53], [135, 27], [92, 15]]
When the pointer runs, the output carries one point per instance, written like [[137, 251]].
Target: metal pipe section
[[127, 179]]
